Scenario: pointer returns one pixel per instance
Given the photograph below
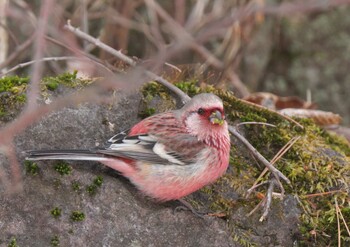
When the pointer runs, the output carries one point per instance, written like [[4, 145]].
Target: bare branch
[[46, 59], [39, 51], [273, 169], [184, 97]]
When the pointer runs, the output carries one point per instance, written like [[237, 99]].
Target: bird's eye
[[200, 111]]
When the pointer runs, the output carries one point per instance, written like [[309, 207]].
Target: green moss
[[12, 96], [77, 216], [189, 87], [147, 112], [13, 84], [51, 85], [67, 79], [92, 188], [31, 167], [56, 212], [319, 162], [98, 181], [63, 168], [13, 243], [55, 241], [76, 186]]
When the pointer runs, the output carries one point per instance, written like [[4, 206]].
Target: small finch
[[168, 155]]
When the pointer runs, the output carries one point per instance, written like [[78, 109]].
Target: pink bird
[[168, 155]]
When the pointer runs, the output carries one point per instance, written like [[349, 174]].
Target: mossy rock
[[318, 165]]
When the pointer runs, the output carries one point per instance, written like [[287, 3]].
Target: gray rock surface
[[117, 215]]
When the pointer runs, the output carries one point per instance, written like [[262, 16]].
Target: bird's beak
[[217, 118]]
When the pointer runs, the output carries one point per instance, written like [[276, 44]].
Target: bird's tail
[[75, 154]]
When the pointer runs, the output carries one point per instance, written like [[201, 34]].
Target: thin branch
[[321, 194], [279, 154], [91, 94], [344, 221], [281, 115], [338, 221], [273, 169], [184, 97], [46, 59], [261, 203], [255, 123], [268, 201], [83, 54], [100, 44], [33, 90], [19, 49]]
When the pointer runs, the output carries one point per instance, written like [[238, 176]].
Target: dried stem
[[184, 97], [338, 221], [33, 90], [46, 59], [273, 169]]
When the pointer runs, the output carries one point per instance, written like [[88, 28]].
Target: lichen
[[318, 165]]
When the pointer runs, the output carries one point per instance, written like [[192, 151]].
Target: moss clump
[[92, 188], [63, 168], [13, 243], [68, 79], [31, 167], [318, 165], [52, 85], [147, 112], [13, 84], [77, 216], [76, 186], [189, 87], [12, 96], [55, 241], [56, 212]]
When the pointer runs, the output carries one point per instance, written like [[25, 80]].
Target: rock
[[116, 215]]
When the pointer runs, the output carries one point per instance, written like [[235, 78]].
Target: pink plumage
[[168, 155]]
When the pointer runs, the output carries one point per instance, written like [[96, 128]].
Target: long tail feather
[[78, 154]]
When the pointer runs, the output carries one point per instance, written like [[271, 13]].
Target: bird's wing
[[162, 141]]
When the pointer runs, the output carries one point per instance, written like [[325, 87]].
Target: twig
[[273, 169], [280, 153], [321, 194], [346, 225], [18, 51], [281, 115], [100, 44], [184, 97], [46, 59], [33, 90], [90, 94], [256, 186], [268, 201], [79, 52], [262, 202], [256, 123], [338, 221]]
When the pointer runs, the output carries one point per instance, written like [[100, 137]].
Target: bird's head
[[204, 117]]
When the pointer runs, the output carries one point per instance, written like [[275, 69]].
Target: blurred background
[[288, 48]]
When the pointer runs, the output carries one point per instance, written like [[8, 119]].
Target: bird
[[168, 155]]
